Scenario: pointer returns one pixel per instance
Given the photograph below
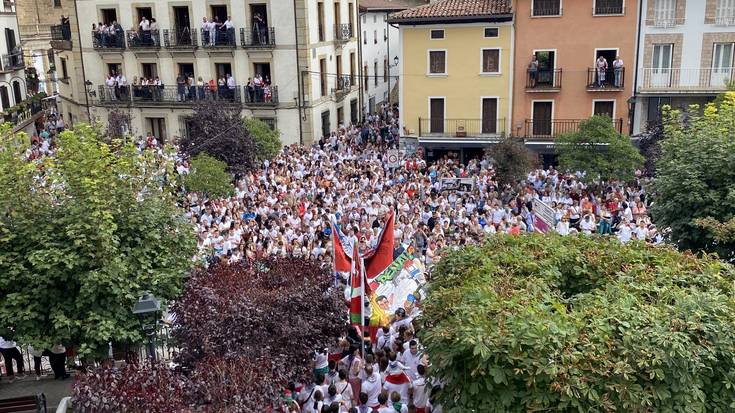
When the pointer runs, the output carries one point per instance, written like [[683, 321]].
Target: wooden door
[[542, 118], [437, 115], [489, 115]]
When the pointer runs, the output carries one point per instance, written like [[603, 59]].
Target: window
[[64, 72], [108, 15], [660, 72], [364, 37], [375, 73], [603, 7], [57, 3], [385, 35], [320, 16], [437, 62], [150, 71], [437, 34], [664, 13], [271, 122], [491, 32], [546, 8], [375, 18], [366, 76], [490, 115], [725, 13], [385, 69], [375, 37], [604, 108], [352, 68], [323, 76], [113, 68], [4, 98], [490, 60], [722, 59], [436, 115]]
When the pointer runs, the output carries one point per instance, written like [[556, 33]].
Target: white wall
[[374, 22], [18, 76]]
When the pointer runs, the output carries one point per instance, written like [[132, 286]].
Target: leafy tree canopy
[[696, 178], [551, 323], [598, 149], [513, 160], [209, 176], [82, 235], [216, 128], [267, 140]]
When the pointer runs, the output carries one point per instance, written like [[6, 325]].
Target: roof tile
[[455, 8]]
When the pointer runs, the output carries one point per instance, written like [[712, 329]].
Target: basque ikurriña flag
[[356, 292]]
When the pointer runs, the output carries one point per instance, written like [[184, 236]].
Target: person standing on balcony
[[618, 67], [533, 71], [229, 29], [251, 90], [110, 86], [181, 87], [601, 65], [205, 31], [145, 30], [258, 81], [231, 87], [154, 32], [122, 84], [259, 28], [213, 26]]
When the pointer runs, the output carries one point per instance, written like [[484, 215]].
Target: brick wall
[[680, 15], [708, 41], [710, 10]]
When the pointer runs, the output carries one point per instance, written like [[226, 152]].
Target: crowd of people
[[286, 207], [48, 128]]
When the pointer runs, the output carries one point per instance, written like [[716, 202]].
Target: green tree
[[580, 324], [513, 160], [267, 140], [82, 235], [696, 178], [598, 149], [209, 176]]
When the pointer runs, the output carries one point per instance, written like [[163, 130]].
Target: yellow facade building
[[456, 74]]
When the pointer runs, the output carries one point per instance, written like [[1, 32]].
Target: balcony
[[461, 128], [664, 19], [224, 39], [679, 80], [181, 38], [167, 96], [24, 112], [725, 17], [108, 42], [344, 87], [543, 80], [143, 39], [261, 97], [60, 36], [610, 80], [255, 38], [550, 129], [11, 62], [342, 33]]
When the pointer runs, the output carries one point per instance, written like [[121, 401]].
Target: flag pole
[[362, 304]]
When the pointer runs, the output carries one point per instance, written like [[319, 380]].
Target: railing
[[603, 7], [342, 32], [180, 38], [60, 32], [263, 96], [547, 129], [12, 62], [165, 95], [461, 128], [18, 116], [143, 39], [696, 79], [606, 79], [264, 37], [218, 38], [543, 79], [546, 8], [102, 41], [725, 18], [344, 86]]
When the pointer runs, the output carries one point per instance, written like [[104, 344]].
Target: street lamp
[[395, 61], [148, 310], [395, 64]]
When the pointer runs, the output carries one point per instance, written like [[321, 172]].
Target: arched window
[[17, 94]]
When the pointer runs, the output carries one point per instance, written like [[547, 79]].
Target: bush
[[267, 140], [513, 160], [550, 323], [209, 176]]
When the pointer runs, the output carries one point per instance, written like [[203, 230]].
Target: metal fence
[[606, 78], [264, 37], [166, 95], [461, 127]]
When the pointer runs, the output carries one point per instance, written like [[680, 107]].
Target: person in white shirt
[[419, 391], [10, 352], [144, 24], [312, 394], [588, 225], [110, 87], [641, 232], [625, 233], [411, 359], [618, 69], [344, 388], [231, 86], [371, 386]]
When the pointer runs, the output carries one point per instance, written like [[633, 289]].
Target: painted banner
[[395, 287]]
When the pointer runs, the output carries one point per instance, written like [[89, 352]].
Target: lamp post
[[395, 64], [148, 310]]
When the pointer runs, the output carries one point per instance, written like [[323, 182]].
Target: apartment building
[[572, 61], [298, 51], [379, 50], [456, 70], [686, 55], [15, 106], [39, 21]]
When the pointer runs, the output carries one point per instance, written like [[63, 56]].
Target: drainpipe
[[361, 80], [635, 64], [81, 54], [299, 75]]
